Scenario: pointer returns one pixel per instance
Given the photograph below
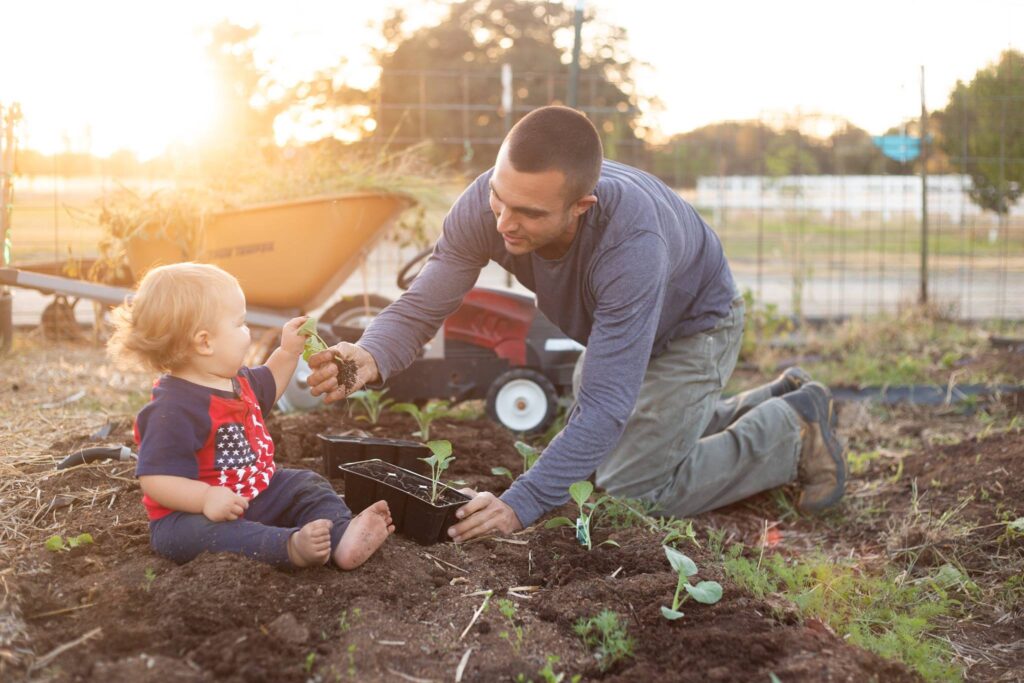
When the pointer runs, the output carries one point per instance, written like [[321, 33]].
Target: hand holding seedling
[[223, 505], [291, 341], [338, 370], [484, 514]]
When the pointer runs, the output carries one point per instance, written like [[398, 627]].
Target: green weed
[[607, 637]]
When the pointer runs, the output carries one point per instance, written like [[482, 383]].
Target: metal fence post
[[923, 296]]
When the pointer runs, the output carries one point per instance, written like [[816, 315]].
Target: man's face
[[532, 209]]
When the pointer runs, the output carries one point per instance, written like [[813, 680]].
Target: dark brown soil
[[223, 617], [346, 372]]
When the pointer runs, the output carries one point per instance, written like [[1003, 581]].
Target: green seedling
[[508, 610], [372, 402], [528, 453], [57, 543], [315, 344], [308, 665], [607, 637], [150, 575], [707, 592], [549, 675], [439, 461], [580, 492], [424, 416]]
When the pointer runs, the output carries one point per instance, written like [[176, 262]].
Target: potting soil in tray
[[408, 497], [338, 450]]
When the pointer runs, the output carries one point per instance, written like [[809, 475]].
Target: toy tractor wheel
[[522, 401], [354, 312]]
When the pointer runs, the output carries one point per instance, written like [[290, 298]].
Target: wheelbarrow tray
[[286, 255]]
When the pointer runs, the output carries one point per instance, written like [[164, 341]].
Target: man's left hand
[[485, 514]]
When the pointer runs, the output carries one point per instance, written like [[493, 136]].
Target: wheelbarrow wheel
[[354, 313], [523, 401]]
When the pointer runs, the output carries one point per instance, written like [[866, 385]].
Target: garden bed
[[113, 611]]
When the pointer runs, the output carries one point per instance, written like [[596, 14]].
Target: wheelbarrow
[[289, 257]]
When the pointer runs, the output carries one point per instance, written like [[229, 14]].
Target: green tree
[[982, 131], [458, 62]]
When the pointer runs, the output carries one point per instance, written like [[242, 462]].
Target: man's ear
[[581, 205], [201, 343]]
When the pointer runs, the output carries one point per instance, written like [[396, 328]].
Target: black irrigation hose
[[923, 394], [87, 455]]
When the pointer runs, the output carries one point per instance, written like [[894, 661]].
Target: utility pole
[[923, 296], [574, 69]]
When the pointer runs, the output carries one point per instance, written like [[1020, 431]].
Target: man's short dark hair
[[558, 138]]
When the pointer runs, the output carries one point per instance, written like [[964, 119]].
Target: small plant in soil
[[424, 416], [607, 637], [509, 610], [549, 675], [528, 453], [315, 344], [707, 592], [371, 402], [57, 543], [439, 461], [150, 576], [580, 492]]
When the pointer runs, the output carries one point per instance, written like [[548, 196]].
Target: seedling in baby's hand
[[580, 492], [707, 592], [528, 453], [424, 417], [314, 345], [439, 462], [56, 543]]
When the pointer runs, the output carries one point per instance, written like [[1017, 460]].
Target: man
[[624, 266]]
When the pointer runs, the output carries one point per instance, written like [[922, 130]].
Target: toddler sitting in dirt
[[206, 461]]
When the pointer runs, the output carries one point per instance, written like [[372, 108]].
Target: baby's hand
[[291, 340], [223, 505]]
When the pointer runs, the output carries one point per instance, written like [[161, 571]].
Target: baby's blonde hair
[[155, 327]]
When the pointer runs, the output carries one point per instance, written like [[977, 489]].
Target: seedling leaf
[[681, 564], [556, 522], [55, 543], [502, 472], [707, 592], [80, 539], [670, 614], [580, 491], [308, 328]]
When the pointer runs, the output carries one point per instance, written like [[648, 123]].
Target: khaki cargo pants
[[688, 450]]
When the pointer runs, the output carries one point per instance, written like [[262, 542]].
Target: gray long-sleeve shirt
[[644, 269]]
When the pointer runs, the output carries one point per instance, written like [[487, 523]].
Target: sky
[[103, 75]]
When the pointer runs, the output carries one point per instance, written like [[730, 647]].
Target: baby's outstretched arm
[[182, 494], [365, 534], [285, 358]]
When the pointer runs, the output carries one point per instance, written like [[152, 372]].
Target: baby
[[206, 461]]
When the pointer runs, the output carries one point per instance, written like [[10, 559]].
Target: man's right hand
[[221, 504], [324, 379]]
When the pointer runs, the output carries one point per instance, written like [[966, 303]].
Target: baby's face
[[230, 338]]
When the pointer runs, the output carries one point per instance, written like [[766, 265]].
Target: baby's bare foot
[[365, 533], [311, 545]]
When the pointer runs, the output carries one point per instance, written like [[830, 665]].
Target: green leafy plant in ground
[[607, 637], [371, 402], [888, 614], [623, 513], [424, 416], [707, 592], [580, 492], [509, 610], [528, 453], [57, 543], [440, 459]]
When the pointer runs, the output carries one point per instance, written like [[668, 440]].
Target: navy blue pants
[[293, 499]]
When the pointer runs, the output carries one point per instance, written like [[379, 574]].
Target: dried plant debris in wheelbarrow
[[314, 345]]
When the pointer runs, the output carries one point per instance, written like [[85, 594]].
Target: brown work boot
[[790, 380], [822, 468]]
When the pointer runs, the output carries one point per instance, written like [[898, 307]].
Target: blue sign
[[902, 148]]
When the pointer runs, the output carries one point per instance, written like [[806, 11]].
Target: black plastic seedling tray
[[408, 497], [338, 450]]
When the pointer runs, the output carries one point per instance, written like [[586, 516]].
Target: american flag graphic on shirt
[[241, 467]]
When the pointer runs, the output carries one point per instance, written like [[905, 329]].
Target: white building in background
[[889, 195]]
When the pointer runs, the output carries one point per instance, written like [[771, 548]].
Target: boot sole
[[835, 449]]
